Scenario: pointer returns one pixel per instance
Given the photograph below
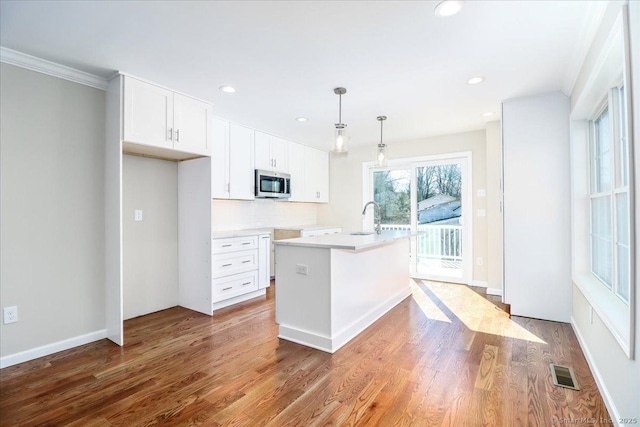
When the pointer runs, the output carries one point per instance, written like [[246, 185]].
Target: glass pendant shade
[[340, 139], [381, 155], [381, 151]]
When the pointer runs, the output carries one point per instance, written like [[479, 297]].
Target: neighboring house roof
[[447, 208], [438, 199]]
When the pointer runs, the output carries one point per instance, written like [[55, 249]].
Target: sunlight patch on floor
[[477, 313], [428, 307]]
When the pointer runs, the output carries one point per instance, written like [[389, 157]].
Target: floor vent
[[563, 376]]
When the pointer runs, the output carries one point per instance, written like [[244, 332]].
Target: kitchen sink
[[361, 233]]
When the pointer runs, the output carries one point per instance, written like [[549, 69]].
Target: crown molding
[[43, 66], [590, 27]]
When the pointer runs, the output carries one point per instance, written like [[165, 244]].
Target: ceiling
[[396, 58]]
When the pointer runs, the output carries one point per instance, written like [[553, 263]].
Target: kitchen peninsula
[[331, 287]]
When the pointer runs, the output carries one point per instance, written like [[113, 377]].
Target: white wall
[[537, 209], [261, 213], [617, 375], [345, 205], [52, 209], [150, 246], [494, 210]]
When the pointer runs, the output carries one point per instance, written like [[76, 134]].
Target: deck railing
[[437, 241]]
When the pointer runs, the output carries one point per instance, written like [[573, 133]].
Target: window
[[609, 196]]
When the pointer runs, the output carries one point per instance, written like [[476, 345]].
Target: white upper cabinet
[[220, 159], [157, 117], [316, 182], [192, 123], [148, 114], [232, 161], [297, 172], [271, 152], [241, 158]]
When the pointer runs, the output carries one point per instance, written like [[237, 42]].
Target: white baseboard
[[479, 283], [335, 342], [241, 298], [494, 291], [45, 350], [606, 396]]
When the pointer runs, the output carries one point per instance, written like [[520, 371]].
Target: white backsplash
[[241, 214]]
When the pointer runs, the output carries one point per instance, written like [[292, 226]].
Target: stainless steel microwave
[[272, 185]]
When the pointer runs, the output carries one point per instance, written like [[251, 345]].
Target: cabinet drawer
[[232, 286], [234, 262], [232, 244]]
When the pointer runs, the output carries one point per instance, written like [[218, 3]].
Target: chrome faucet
[[376, 214]]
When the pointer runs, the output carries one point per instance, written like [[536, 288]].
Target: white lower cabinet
[[264, 261], [240, 268]]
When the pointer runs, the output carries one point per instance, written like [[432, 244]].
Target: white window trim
[[619, 320]]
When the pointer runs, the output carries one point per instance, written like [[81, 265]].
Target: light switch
[[138, 215]]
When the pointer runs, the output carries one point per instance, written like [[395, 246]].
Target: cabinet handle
[[226, 289], [170, 134], [246, 243], [226, 246], [275, 162], [177, 135], [227, 265], [246, 261], [246, 283], [228, 188]]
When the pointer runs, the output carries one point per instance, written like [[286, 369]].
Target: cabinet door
[[297, 171], [148, 114], [316, 175], [241, 168], [220, 159], [310, 175], [322, 173], [192, 126], [279, 154], [263, 151], [264, 263]]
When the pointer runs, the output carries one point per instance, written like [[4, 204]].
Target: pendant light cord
[[340, 110]]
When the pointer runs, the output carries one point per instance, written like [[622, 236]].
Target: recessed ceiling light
[[301, 119], [487, 114], [448, 7], [227, 89], [475, 80]]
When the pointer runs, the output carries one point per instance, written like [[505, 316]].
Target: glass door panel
[[439, 209]]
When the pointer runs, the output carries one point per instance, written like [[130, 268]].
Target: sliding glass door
[[429, 196]]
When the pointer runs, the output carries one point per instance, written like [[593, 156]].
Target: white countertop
[[311, 227], [347, 241]]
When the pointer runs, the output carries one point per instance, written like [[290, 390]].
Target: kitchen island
[[330, 288]]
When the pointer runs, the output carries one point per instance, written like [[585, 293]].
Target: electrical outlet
[[138, 215], [302, 269], [482, 193], [10, 314], [482, 212], [479, 260]]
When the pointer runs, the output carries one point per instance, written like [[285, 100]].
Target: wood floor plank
[[445, 357]]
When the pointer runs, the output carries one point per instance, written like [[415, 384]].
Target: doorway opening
[[429, 196]]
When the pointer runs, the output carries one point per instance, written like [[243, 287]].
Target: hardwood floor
[[445, 356]]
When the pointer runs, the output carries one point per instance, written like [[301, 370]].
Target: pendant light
[[381, 152], [340, 137]]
